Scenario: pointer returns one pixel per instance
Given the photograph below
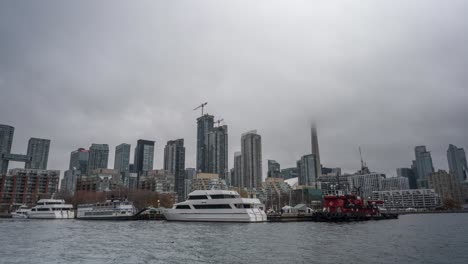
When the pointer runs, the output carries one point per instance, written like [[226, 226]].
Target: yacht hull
[[254, 216], [52, 215]]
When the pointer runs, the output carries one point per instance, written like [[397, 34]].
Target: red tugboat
[[350, 207]]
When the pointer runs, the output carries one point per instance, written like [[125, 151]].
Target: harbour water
[[438, 238]]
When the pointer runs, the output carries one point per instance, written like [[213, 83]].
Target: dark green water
[[441, 238]]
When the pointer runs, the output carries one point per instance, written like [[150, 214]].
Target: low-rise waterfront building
[[207, 181], [403, 199], [160, 181], [26, 186], [100, 180]]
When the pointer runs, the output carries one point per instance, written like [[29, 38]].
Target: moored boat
[[51, 209], [109, 210], [217, 206], [21, 212]]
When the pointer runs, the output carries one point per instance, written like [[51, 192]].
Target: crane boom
[[201, 106]]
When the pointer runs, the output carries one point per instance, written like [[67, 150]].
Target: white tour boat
[[52, 209], [217, 206], [21, 212], [109, 210]]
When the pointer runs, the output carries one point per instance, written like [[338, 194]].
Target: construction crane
[[201, 106], [219, 121]]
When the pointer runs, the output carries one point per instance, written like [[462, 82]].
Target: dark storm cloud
[[385, 76]]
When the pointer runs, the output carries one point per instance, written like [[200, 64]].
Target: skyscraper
[[6, 140], [308, 172], [408, 173], [174, 163], [79, 161], [38, 150], [217, 150], [204, 125], [236, 179], [122, 157], [251, 148], [423, 165], [274, 169], [144, 156], [457, 162], [315, 150], [98, 157]]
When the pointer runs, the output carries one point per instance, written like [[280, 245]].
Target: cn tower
[[315, 149]]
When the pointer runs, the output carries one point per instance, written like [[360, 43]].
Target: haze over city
[[383, 76]]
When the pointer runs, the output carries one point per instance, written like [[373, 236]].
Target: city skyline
[[111, 160], [128, 77]]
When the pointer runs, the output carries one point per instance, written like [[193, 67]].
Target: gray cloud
[[382, 75]]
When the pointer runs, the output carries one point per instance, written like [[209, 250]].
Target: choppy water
[[439, 238]]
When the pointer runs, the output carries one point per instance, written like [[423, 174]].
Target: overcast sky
[[383, 75]]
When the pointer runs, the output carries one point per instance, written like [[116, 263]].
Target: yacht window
[[34, 210], [222, 196], [212, 206], [243, 206], [197, 197], [184, 206], [43, 209]]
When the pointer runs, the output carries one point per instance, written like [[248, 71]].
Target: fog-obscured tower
[[174, 163], [6, 140], [315, 150], [204, 125], [251, 148], [38, 150]]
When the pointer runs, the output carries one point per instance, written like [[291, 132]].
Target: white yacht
[[52, 209], [217, 206], [109, 210], [21, 212]]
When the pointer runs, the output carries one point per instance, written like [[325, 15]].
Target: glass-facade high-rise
[[457, 162], [38, 151], [98, 157], [79, 160], [6, 140], [174, 163], [308, 172], [422, 165], [122, 157], [408, 173], [144, 156], [204, 125], [251, 149], [236, 177], [217, 152], [274, 169]]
